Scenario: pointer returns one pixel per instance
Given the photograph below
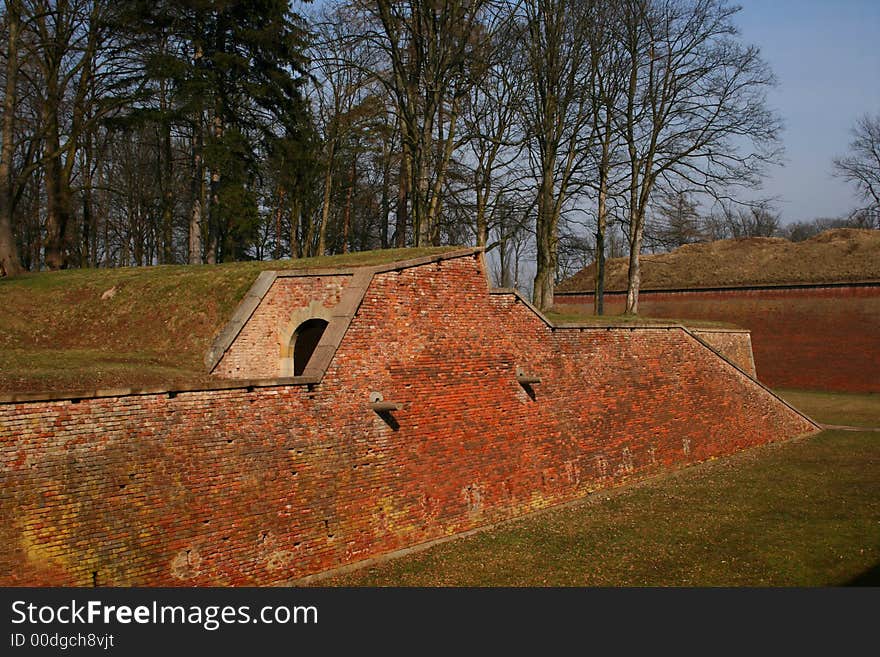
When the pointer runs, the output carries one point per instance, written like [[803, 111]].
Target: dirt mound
[[835, 256]]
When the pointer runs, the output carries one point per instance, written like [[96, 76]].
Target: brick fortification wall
[[261, 485], [259, 347], [734, 345], [820, 338]]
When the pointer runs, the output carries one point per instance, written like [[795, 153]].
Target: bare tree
[[10, 264], [737, 221], [861, 166], [695, 97], [69, 37], [342, 98], [557, 119], [510, 226], [492, 132], [607, 84], [675, 221], [429, 47]]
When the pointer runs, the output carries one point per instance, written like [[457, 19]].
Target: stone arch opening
[[303, 343]]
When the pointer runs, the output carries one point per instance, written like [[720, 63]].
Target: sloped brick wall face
[[262, 343], [822, 338], [735, 346], [238, 487]]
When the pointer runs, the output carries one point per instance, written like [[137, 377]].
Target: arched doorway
[[305, 339]]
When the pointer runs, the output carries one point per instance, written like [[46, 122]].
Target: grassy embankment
[[130, 327], [635, 320], [802, 513]]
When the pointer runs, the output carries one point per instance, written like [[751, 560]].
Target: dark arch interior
[[305, 340]]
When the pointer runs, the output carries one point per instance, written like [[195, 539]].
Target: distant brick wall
[[735, 346], [238, 487], [821, 338]]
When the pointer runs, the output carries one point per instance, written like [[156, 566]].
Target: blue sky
[[826, 56]]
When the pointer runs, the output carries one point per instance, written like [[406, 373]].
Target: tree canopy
[[551, 132]]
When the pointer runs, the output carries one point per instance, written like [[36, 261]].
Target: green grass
[[85, 369], [853, 409], [58, 333], [801, 513], [612, 320]]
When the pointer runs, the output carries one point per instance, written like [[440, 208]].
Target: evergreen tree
[[230, 74]]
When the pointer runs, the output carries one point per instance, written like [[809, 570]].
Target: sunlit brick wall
[[820, 338], [238, 487]]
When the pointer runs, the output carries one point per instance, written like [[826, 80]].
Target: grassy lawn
[[803, 513], [858, 410]]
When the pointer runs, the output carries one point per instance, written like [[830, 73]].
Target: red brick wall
[[257, 351], [235, 487], [825, 338], [736, 346]]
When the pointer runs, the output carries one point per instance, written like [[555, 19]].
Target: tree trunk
[[421, 226], [435, 205], [546, 241], [482, 185], [385, 206], [634, 273], [295, 216], [93, 231], [214, 219], [279, 211], [197, 193], [346, 224], [402, 195], [482, 224], [601, 224], [167, 196], [89, 220], [57, 211], [88, 215], [10, 264], [57, 197], [504, 262], [325, 206], [197, 186]]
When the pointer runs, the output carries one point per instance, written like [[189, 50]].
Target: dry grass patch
[[853, 409], [634, 320], [843, 254], [135, 326]]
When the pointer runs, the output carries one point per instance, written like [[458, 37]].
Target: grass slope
[[135, 326], [843, 254], [639, 320], [852, 409], [802, 513]]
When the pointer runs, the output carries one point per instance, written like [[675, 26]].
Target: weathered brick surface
[[232, 487], [821, 338], [735, 346], [259, 347]]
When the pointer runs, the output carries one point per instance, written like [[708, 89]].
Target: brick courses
[[260, 485], [735, 345], [260, 345], [809, 337]]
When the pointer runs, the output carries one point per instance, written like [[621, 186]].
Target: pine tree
[[233, 72]]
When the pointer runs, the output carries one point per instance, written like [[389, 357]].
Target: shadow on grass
[[870, 577]]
